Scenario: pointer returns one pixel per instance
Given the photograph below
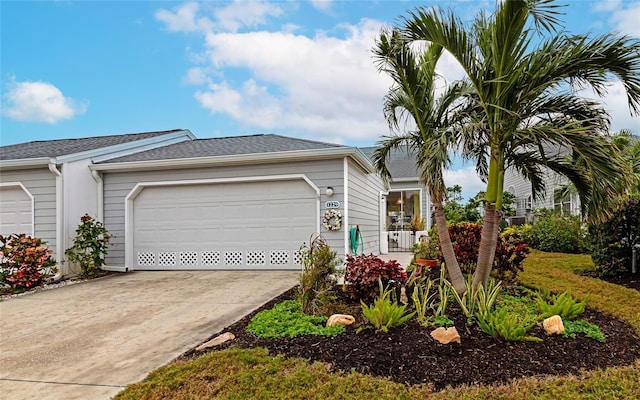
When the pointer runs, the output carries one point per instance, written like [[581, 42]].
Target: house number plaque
[[332, 204]]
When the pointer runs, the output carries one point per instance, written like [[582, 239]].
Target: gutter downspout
[[59, 217]]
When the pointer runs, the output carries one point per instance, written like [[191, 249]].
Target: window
[[402, 206], [562, 201]]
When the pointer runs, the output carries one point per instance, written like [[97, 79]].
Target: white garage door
[[224, 225], [16, 211]]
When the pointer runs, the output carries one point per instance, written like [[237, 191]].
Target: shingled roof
[[62, 147], [225, 146], [400, 163]]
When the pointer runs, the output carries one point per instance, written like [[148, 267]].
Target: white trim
[[137, 189], [97, 176], [345, 216], [241, 159], [28, 193], [382, 221], [59, 212], [401, 180], [25, 163]]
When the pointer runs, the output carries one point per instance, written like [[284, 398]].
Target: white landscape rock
[[553, 325], [340, 319], [216, 341]]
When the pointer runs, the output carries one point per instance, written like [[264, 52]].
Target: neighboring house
[[406, 198], [554, 197], [46, 186], [175, 202]]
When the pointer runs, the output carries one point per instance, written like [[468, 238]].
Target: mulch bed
[[628, 280], [409, 355]]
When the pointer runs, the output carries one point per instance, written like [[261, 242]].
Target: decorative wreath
[[332, 220]]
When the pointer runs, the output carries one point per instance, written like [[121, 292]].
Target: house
[[554, 197], [46, 186], [172, 201]]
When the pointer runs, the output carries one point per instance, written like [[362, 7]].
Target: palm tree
[[411, 100], [525, 93]]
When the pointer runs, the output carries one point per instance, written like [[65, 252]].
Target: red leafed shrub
[[362, 274], [510, 251], [24, 261]]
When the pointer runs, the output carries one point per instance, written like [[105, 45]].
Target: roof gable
[[400, 163]]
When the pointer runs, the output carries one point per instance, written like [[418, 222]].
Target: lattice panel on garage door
[[195, 259]]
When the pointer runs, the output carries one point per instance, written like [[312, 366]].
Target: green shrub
[[385, 313], [564, 305], [556, 233], [286, 320], [25, 262], [572, 328], [613, 240], [89, 246], [319, 264]]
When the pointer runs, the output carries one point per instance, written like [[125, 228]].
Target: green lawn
[[253, 374]]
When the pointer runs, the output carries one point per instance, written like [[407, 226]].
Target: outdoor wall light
[[329, 191]]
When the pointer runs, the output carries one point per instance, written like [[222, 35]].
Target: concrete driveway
[[89, 340]]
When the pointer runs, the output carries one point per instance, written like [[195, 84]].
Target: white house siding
[[80, 194], [41, 183], [117, 186], [364, 206], [521, 188]]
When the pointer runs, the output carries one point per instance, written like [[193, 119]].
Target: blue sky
[[225, 68]]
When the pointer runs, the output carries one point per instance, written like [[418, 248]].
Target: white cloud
[[322, 5], [245, 14], [625, 19], [607, 5], [320, 86], [467, 178], [618, 108], [39, 102], [184, 19]]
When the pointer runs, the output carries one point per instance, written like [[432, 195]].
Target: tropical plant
[[511, 250], [422, 298], [385, 313], [564, 305], [89, 246], [25, 262], [412, 100], [318, 275], [508, 326], [363, 273], [525, 104]]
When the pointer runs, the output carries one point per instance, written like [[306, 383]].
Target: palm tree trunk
[[488, 242], [453, 268]]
